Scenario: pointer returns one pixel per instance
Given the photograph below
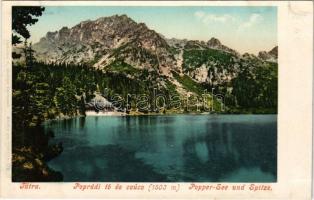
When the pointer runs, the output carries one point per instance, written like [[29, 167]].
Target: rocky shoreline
[[29, 165]]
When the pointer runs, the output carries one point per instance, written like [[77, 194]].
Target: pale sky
[[245, 29]]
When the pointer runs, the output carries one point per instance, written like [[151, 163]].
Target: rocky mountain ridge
[[270, 56], [105, 40], [119, 44]]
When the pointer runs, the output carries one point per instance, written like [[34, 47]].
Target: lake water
[[178, 148]]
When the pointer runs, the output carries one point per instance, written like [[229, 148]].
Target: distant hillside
[[118, 44]]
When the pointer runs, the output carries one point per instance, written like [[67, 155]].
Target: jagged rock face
[[270, 56], [118, 39], [177, 43], [264, 55], [214, 74], [104, 40], [200, 74], [274, 52], [210, 62], [214, 43], [248, 56]]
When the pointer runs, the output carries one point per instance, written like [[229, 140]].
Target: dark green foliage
[[122, 67], [65, 95], [46, 91], [131, 50], [171, 87], [189, 84], [256, 87], [252, 90], [196, 57], [28, 166], [22, 16], [15, 40], [28, 54], [174, 50]]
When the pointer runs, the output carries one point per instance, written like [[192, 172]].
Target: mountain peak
[[122, 17], [104, 40], [271, 55], [214, 42], [115, 18], [274, 52]]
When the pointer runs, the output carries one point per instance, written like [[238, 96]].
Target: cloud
[[207, 18], [253, 20], [238, 23]]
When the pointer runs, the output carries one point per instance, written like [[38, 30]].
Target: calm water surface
[[193, 148]]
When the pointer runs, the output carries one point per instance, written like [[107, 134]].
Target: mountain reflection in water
[[178, 148]]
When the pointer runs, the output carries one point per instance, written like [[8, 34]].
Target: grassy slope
[[188, 83], [194, 58]]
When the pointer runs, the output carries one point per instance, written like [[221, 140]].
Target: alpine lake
[[166, 148]]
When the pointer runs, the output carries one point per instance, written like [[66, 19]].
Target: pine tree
[[28, 54], [22, 16]]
